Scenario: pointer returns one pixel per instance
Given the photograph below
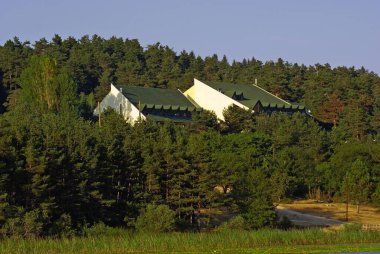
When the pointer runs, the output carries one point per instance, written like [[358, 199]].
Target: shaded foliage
[[60, 172]]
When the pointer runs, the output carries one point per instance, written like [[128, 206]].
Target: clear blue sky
[[343, 32]]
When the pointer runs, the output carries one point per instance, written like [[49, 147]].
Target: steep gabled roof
[[250, 95], [157, 98]]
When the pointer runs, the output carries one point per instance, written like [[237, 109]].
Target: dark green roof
[[168, 118], [250, 95], [157, 98]]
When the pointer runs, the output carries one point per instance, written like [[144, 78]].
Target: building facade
[[136, 102], [217, 96]]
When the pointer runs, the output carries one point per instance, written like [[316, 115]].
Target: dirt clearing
[[336, 211]]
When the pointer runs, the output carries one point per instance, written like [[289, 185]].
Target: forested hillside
[[60, 171]]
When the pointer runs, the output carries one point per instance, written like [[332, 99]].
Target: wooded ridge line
[[60, 172]]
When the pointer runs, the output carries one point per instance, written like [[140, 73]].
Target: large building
[[135, 102], [217, 96]]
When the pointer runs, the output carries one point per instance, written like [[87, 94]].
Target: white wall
[[114, 99], [211, 99]]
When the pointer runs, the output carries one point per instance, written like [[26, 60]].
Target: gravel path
[[304, 219]]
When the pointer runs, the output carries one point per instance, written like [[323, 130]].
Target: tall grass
[[123, 241]]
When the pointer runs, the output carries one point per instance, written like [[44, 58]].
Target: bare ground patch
[[337, 211]]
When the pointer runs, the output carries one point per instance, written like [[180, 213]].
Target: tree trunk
[[347, 197], [118, 192], [167, 185], [179, 199]]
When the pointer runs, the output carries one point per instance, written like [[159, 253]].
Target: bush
[[63, 226], [375, 198], [235, 223], [352, 227], [95, 230], [183, 225], [259, 214], [12, 228], [27, 225], [155, 219], [32, 224], [285, 223], [102, 230]]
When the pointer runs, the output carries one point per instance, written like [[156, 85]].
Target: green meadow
[[261, 241]]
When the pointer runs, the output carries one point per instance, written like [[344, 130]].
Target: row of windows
[[175, 113]]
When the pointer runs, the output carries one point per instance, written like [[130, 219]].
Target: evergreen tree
[[330, 110], [44, 89], [237, 119], [356, 183], [132, 67], [253, 197]]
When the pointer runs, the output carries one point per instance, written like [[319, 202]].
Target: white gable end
[[211, 99], [116, 100]]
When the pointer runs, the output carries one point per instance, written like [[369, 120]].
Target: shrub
[[32, 225], [26, 225], [63, 226], [155, 219], [260, 213], [235, 223], [96, 230], [375, 198], [352, 227], [12, 228], [285, 223], [183, 225], [102, 230]]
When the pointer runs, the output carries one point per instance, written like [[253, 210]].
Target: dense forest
[[61, 172]]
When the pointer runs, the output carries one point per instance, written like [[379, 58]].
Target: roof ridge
[[235, 87], [149, 87], [223, 93], [272, 94]]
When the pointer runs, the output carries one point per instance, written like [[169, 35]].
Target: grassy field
[[367, 215], [262, 241]]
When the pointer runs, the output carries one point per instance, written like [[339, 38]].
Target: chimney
[[255, 81], [121, 89]]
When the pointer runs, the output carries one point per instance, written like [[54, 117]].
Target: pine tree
[[237, 119], [44, 89], [356, 184], [153, 61], [253, 196], [132, 67], [211, 67], [330, 110], [356, 123]]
